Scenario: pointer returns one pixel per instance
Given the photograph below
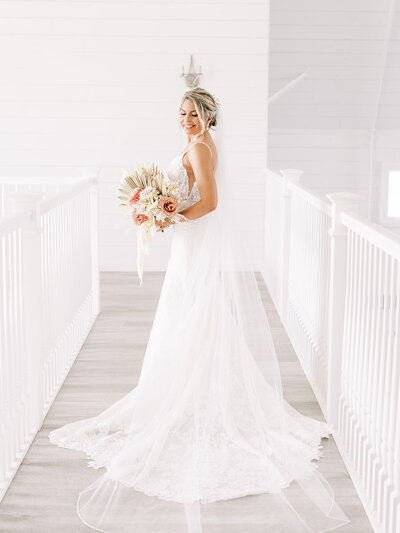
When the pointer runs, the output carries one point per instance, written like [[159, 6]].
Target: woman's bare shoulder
[[203, 150]]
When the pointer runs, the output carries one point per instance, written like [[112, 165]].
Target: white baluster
[[32, 302], [289, 175], [94, 206], [349, 202], [94, 199]]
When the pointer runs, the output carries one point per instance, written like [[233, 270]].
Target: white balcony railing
[[49, 291], [335, 280]]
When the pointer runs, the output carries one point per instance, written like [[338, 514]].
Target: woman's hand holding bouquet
[[152, 202]]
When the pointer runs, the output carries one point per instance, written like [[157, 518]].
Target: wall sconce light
[[192, 78]]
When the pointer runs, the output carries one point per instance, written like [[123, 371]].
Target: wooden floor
[[42, 496]]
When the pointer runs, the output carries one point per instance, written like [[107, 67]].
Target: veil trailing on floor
[[206, 442]]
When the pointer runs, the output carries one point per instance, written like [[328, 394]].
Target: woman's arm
[[201, 162]]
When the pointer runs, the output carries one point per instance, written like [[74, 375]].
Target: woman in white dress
[[205, 442]]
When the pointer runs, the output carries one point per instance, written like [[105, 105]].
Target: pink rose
[[135, 195], [168, 204], [138, 218]]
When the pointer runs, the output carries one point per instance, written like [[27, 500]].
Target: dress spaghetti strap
[[199, 142]]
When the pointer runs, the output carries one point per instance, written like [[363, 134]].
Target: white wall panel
[[338, 5], [182, 10]]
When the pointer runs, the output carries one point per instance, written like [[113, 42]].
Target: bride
[[205, 442]]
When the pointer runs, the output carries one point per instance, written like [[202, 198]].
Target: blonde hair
[[206, 107]]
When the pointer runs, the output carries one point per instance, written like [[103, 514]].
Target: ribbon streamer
[[144, 238]]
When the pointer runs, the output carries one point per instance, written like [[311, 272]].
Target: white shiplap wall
[[336, 160], [322, 125], [97, 84]]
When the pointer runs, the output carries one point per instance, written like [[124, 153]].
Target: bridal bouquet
[[146, 197]]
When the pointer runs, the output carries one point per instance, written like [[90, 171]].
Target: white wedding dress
[[205, 442]]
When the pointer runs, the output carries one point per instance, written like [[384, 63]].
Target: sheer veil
[[208, 443]]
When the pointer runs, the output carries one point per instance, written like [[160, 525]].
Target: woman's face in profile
[[189, 119]]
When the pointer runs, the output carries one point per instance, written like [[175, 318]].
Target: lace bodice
[[177, 172]]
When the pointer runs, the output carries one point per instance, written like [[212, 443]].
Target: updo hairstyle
[[206, 107]]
